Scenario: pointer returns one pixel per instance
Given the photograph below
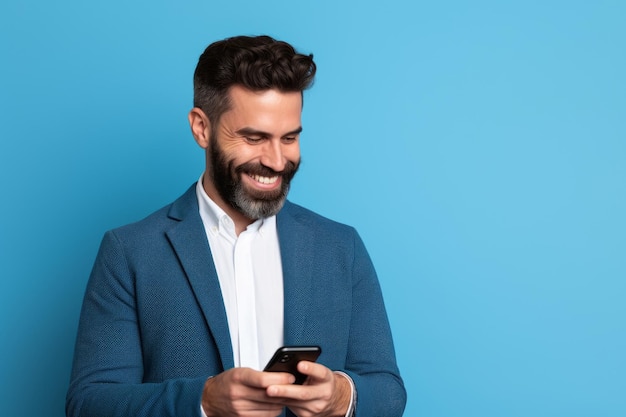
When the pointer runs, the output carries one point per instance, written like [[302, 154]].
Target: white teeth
[[265, 180]]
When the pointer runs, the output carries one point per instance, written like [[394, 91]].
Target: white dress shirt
[[250, 273]]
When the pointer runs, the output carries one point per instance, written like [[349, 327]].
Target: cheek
[[292, 153], [237, 153], [231, 148]]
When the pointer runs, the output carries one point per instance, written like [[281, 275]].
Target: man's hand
[[324, 394], [243, 392]]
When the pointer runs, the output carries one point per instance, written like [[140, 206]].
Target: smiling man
[[184, 308], [253, 153]]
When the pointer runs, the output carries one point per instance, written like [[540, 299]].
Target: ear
[[200, 127]]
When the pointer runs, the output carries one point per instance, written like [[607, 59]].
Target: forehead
[[270, 110]]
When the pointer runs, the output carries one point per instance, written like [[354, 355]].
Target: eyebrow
[[248, 131]]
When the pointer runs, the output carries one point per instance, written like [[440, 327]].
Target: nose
[[273, 156]]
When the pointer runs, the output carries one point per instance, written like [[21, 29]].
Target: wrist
[[346, 393], [204, 404]]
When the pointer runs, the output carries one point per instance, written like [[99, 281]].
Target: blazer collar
[[190, 243]]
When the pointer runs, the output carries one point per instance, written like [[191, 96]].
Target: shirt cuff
[[352, 405]]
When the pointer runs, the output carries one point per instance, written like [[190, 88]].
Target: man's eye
[[290, 139], [253, 139]]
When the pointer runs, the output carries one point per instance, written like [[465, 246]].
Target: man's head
[[247, 108], [255, 63]]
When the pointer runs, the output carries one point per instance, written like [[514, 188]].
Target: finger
[[303, 400], [288, 393], [225, 395], [257, 379], [315, 371], [276, 378], [312, 390], [319, 384]]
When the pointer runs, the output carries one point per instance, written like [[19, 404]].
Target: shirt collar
[[216, 220]]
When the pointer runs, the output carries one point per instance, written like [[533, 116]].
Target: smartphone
[[286, 359]]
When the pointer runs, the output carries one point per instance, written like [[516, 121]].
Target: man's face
[[255, 152]]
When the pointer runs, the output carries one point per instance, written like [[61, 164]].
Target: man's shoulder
[[304, 228], [162, 219], [308, 217]]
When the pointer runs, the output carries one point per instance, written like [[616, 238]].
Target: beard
[[252, 203]]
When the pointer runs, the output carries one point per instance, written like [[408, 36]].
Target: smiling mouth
[[265, 180]]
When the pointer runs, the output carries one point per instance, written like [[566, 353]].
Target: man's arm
[[345, 313], [111, 367], [108, 371], [371, 361]]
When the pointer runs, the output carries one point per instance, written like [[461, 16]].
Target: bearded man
[[184, 308]]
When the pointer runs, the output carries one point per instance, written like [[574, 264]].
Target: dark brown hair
[[256, 63]]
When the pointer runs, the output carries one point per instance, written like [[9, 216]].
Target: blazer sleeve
[[107, 373], [371, 361]]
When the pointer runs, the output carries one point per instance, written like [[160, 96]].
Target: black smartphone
[[286, 359]]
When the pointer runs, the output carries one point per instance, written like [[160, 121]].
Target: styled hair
[[256, 63]]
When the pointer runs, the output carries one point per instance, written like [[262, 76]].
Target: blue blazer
[[153, 326]]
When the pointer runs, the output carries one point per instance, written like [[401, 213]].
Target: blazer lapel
[[192, 248], [296, 248]]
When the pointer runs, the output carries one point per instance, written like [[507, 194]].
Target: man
[[184, 308]]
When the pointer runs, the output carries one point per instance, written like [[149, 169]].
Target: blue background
[[478, 146]]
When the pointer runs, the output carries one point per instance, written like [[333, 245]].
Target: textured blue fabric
[[153, 325]]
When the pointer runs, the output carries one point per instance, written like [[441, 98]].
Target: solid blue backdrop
[[479, 147]]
